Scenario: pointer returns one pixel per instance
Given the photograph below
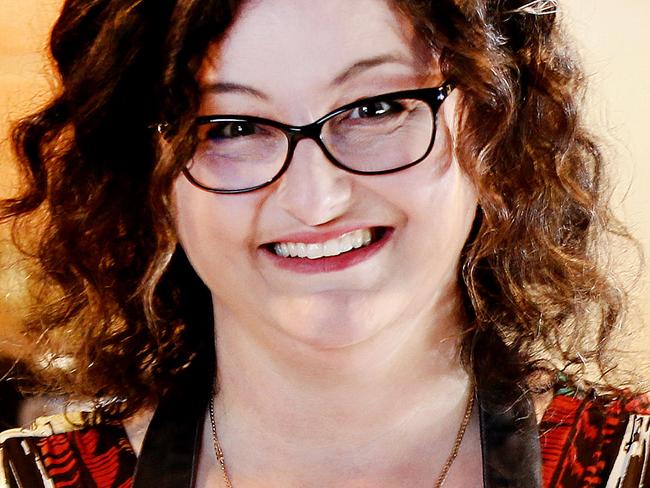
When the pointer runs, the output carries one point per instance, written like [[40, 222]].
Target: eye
[[377, 108], [230, 130]]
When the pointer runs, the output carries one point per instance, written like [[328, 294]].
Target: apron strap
[[171, 446]]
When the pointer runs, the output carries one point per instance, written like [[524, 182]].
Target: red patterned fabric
[[580, 439], [95, 457]]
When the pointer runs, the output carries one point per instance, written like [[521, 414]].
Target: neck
[[355, 399]]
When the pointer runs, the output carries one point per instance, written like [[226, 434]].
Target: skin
[[347, 378]]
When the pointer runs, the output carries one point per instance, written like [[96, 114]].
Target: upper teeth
[[333, 247]]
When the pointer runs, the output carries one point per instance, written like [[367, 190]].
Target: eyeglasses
[[372, 136]]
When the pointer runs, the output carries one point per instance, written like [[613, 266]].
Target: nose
[[313, 190]]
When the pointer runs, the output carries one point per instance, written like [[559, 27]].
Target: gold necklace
[[441, 477]]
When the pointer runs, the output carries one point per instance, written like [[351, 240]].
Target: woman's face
[[294, 61]]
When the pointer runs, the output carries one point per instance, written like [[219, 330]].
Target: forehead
[[307, 41]]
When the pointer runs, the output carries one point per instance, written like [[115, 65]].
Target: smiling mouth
[[347, 242]]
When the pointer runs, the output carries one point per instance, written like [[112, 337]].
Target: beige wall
[[611, 34], [613, 37]]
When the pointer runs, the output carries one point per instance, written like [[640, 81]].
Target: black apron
[[509, 439]]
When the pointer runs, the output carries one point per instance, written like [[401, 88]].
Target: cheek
[[438, 232], [442, 214], [216, 231], [445, 200], [438, 204]]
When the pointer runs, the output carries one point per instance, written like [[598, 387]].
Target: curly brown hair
[[123, 302]]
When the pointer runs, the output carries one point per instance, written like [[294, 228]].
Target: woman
[[391, 207]]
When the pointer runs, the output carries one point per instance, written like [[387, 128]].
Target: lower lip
[[329, 263]]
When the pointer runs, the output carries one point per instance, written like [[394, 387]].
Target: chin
[[329, 327]]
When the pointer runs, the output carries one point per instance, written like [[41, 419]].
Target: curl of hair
[[128, 309]]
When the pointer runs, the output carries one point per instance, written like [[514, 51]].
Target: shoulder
[[595, 439], [72, 449]]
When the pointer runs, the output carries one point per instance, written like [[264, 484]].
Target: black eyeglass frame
[[294, 134]]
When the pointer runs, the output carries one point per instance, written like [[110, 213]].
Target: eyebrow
[[228, 87], [349, 72], [366, 64]]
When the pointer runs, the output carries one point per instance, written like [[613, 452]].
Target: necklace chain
[[439, 481], [217, 446]]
